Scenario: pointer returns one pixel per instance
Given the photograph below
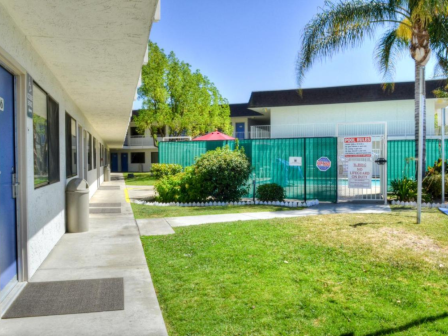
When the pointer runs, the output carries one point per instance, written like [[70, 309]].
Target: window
[[135, 133], [138, 157], [94, 153], [71, 146], [89, 151], [45, 138], [101, 155], [154, 157]]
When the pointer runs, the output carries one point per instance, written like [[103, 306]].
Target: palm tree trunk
[[419, 91]]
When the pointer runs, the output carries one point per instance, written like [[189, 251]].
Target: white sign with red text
[[358, 147], [360, 174]]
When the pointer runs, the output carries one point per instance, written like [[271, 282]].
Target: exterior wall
[[135, 167], [244, 120], [45, 206], [283, 119], [145, 140]]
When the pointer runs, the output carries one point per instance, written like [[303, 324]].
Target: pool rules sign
[[358, 153], [358, 147]]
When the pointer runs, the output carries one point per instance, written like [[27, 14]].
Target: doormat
[[68, 297], [104, 210], [444, 210], [109, 188]]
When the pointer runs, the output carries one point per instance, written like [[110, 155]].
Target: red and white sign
[[358, 147], [360, 174]]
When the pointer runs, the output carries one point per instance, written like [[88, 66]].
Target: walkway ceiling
[[95, 49]]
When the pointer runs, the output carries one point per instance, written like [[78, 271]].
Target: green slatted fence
[[270, 163], [399, 150]]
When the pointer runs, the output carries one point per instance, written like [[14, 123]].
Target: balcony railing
[[140, 141], [397, 128]]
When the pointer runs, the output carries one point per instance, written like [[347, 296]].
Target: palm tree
[[419, 27]]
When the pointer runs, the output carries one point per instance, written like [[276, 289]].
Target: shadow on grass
[[404, 327], [362, 224], [140, 177]]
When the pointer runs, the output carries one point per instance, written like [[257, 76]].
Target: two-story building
[[138, 153], [317, 112]]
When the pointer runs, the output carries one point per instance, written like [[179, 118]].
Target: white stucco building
[[68, 77], [316, 112]]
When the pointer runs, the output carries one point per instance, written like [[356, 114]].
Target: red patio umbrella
[[213, 136]]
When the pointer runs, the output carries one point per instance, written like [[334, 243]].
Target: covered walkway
[[112, 248]]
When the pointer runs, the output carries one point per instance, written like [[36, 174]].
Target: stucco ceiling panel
[[95, 48]]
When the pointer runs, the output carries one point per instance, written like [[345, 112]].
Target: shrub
[[222, 174], [182, 187], [437, 168], [168, 188], [270, 192], [405, 189], [433, 184], [160, 170]]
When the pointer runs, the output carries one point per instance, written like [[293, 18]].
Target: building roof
[[241, 110], [339, 95]]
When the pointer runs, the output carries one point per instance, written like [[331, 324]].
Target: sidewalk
[[111, 248], [157, 226]]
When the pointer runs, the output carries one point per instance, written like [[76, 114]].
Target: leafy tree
[[414, 26], [175, 96]]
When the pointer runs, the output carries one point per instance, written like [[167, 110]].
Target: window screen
[[46, 138], [40, 134], [136, 133], [94, 153], [138, 157], [154, 157], [89, 151], [71, 146], [53, 141], [101, 155]]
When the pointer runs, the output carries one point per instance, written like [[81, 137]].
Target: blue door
[[240, 130], [114, 162], [124, 162], [8, 231]]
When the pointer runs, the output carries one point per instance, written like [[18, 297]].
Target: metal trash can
[[107, 174], [77, 205]]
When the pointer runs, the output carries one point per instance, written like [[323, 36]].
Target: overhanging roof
[[242, 110], [339, 95], [95, 49]]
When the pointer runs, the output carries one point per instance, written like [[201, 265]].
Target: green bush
[[219, 175], [437, 168], [433, 184], [168, 188], [160, 170], [405, 189], [270, 192], [222, 174], [182, 187]]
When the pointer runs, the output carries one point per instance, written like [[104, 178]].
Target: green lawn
[[320, 275], [140, 179], [146, 211]]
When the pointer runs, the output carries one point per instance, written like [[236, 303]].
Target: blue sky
[[252, 45]]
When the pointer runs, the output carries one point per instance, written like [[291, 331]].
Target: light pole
[[254, 182], [443, 155], [420, 146]]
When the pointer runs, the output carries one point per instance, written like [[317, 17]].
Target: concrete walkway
[[159, 226], [112, 248]]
